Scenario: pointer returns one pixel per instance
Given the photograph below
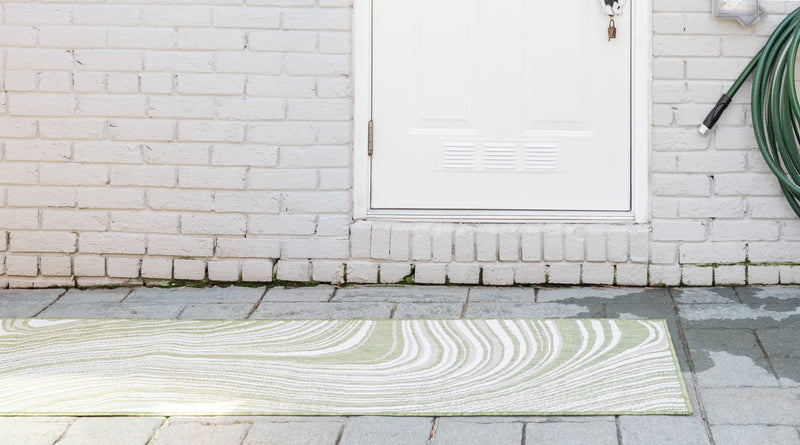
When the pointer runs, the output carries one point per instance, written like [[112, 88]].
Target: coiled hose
[[775, 107]]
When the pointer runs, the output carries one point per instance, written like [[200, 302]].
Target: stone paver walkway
[[739, 349]]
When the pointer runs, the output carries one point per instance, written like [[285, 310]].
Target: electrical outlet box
[[745, 11]]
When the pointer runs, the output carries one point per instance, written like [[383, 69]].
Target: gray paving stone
[[32, 430], [705, 295], [204, 433], [20, 310], [501, 294], [584, 295], [728, 358], [403, 294], [571, 433], [322, 310], [460, 432], [781, 342], [664, 430], [230, 294], [788, 371], [738, 316], [111, 430], [95, 295], [316, 432], [755, 434], [428, 310], [752, 406], [387, 431], [216, 311], [769, 294], [112, 310], [299, 294], [533, 310], [635, 311], [30, 296]]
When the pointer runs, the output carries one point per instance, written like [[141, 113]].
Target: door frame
[[641, 61]]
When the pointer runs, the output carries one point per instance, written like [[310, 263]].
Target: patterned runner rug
[[339, 367]]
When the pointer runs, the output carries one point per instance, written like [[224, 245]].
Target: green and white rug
[[339, 367]]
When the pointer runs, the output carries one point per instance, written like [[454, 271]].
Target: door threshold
[[500, 216]]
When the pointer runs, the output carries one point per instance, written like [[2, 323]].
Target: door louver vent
[[493, 155]]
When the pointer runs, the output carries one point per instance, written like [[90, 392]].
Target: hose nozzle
[[714, 115]]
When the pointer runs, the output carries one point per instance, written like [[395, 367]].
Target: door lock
[[612, 8]]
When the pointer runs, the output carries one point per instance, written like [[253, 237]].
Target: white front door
[[500, 105]]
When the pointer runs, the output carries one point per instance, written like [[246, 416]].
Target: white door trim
[[640, 133]]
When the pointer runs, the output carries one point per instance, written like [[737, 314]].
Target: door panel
[[499, 104]]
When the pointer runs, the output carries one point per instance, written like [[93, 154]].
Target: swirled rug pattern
[[339, 367]]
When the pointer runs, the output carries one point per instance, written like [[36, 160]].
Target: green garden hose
[[775, 107]]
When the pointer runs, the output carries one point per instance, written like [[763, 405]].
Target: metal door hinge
[[370, 134]]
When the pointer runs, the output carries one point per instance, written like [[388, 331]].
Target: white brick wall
[[144, 141]]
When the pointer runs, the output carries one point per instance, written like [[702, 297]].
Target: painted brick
[[23, 266], [421, 243], [458, 273], [223, 271], [509, 248], [465, 244], [189, 270], [362, 272], [498, 275], [399, 244], [666, 275], [763, 275], [394, 272], [257, 271], [631, 275], [327, 272], [697, 276], [360, 240], [486, 244], [730, 275], [534, 273], [286, 270], [593, 273], [57, 242], [430, 273], [248, 248], [60, 266], [158, 268], [442, 245], [553, 245], [89, 266], [564, 273], [123, 267]]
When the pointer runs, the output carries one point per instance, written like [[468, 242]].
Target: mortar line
[[64, 433], [766, 356], [247, 433], [127, 295], [52, 303], [333, 294], [736, 292], [341, 433], [157, 431], [258, 303], [466, 303], [434, 424]]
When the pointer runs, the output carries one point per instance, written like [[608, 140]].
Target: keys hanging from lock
[[612, 30]]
